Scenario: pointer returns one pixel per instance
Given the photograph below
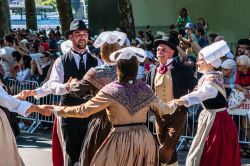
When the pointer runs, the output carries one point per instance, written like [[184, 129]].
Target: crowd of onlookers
[[26, 55]]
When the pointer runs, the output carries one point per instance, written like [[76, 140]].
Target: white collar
[[169, 61]]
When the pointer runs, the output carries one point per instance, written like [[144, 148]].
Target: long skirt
[[216, 142], [57, 154], [98, 129], [128, 145], [8, 149]]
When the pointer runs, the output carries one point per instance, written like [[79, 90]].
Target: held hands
[[70, 83], [26, 93], [42, 109], [181, 102]]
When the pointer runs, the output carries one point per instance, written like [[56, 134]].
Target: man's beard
[[81, 44]]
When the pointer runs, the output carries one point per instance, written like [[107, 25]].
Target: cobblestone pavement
[[35, 150]]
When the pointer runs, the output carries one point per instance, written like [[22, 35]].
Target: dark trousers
[[169, 129], [73, 131]]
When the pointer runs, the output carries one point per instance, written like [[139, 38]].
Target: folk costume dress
[[129, 142], [8, 149], [99, 125], [216, 141]]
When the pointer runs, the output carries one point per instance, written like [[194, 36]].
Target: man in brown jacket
[[170, 80]]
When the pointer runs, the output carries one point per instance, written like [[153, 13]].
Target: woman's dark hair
[[201, 30], [16, 55], [185, 10], [43, 38], [27, 61], [127, 69], [203, 21], [9, 38]]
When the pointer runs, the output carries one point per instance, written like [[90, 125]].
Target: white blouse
[[13, 104], [205, 92]]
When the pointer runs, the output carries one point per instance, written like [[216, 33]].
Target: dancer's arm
[[23, 108], [94, 105], [206, 91], [162, 108]]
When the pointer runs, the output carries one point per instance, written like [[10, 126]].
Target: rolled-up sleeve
[[14, 104]]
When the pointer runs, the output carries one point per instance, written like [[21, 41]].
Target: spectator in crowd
[[189, 30], [17, 57], [243, 73], [42, 68], [140, 35], [44, 42], [247, 51], [52, 42], [25, 66], [182, 20], [149, 41], [7, 61], [201, 36], [202, 23], [52, 60], [243, 79], [212, 37], [242, 46], [186, 55], [229, 69]]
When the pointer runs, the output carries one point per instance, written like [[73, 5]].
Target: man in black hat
[[74, 64], [170, 80]]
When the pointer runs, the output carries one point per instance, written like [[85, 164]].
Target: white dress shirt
[[55, 85], [13, 104]]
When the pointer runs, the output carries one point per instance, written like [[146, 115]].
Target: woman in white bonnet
[[216, 141]]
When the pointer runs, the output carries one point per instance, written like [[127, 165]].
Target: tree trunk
[[30, 10], [4, 18], [65, 14], [126, 18], [111, 14]]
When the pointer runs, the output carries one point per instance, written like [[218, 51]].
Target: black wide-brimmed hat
[[76, 25], [168, 40], [244, 42]]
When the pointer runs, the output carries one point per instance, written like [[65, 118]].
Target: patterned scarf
[[213, 76], [101, 75], [132, 96]]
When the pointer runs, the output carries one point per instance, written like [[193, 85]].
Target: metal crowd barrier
[[15, 88], [37, 119]]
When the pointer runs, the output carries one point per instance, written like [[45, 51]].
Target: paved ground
[[35, 150]]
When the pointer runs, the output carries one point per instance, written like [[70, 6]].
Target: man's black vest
[[71, 70]]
